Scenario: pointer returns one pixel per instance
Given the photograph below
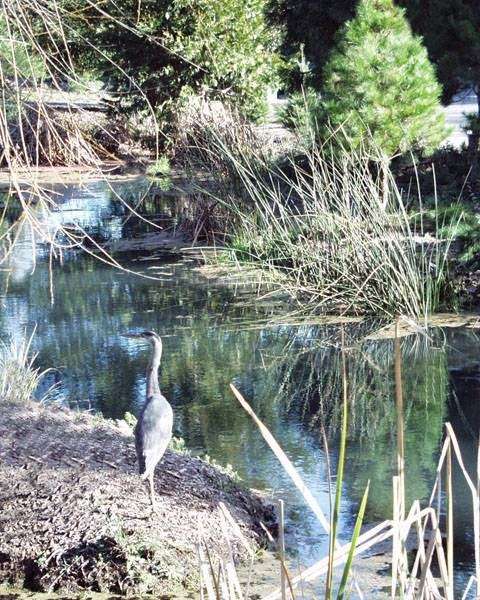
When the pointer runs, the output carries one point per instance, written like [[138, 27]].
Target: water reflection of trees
[[105, 211], [372, 408]]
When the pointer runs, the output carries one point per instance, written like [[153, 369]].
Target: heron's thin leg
[[152, 492]]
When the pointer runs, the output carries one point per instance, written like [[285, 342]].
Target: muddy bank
[[74, 515]]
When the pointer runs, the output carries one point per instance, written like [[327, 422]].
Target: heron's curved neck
[[152, 369]]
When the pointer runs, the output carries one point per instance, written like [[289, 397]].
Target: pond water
[[290, 372]]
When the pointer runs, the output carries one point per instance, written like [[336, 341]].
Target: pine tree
[[379, 86]]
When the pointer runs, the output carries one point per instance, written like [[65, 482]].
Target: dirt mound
[[74, 514]]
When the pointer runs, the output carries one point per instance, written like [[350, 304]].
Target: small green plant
[[130, 419], [460, 223], [225, 469], [302, 113], [19, 378], [160, 168], [145, 558], [160, 172], [177, 444]]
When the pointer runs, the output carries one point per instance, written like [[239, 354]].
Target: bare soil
[[75, 516]]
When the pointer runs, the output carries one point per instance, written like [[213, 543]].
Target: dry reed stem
[[285, 462], [475, 501], [449, 499], [413, 586]]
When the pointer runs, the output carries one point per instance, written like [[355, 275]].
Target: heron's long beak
[[131, 335]]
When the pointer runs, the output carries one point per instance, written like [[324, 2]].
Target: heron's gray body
[[153, 433]]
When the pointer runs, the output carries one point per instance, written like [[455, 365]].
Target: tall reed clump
[[428, 572], [320, 224], [19, 378], [216, 185]]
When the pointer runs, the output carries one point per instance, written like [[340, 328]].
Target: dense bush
[[450, 30], [167, 50], [451, 33], [311, 25]]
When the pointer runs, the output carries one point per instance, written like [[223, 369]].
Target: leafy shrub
[[220, 49]]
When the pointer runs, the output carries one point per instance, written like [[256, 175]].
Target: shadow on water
[[216, 334]]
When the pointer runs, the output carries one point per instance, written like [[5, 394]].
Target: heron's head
[[147, 336]]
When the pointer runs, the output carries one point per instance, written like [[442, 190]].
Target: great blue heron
[[153, 430]]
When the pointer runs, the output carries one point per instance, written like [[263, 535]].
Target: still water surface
[[215, 334]]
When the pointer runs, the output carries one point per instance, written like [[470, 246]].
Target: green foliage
[[161, 173], [16, 55], [220, 49], [177, 444], [462, 224], [472, 123], [160, 168], [301, 22], [130, 420], [301, 112], [380, 85]]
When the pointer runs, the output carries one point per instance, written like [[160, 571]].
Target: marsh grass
[[19, 377], [321, 225], [428, 574]]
